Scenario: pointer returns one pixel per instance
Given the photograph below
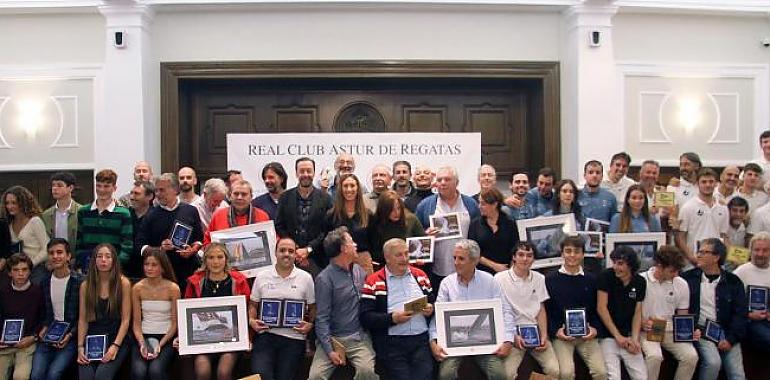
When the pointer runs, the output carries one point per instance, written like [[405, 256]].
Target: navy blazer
[[730, 302]]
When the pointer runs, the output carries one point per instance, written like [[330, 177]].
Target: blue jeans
[[711, 360], [408, 358], [275, 357], [151, 369], [50, 363]]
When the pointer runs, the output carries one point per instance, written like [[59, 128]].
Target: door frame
[[173, 74]]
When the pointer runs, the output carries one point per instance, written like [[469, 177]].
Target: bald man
[[187, 182]]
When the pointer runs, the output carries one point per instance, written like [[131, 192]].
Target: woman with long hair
[[565, 202], [392, 220], [28, 235], [496, 234], [153, 301], [105, 309], [636, 218], [349, 210], [216, 279]]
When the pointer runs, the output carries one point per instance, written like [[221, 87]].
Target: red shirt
[[220, 221]]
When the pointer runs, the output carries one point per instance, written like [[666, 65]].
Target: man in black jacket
[[301, 213], [717, 296], [400, 336]]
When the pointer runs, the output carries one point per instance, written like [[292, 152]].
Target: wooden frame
[[173, 75]]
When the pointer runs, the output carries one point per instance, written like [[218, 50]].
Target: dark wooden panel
[[296, 119], [424, 118], [38, 183]]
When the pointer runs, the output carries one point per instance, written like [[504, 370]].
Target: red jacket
[[195, 284], [219, 221]]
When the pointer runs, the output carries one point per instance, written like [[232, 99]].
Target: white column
[[590, 98], [127, 128]]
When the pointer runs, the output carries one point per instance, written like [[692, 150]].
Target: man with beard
[[648, 178], [240, 212], [541, 197], [617, 182], [595, 201], [274, 176], [423, 187], [757, 273], [728, 183], [750, 189], [142, 172], [685, 187], [381, 180], [301, 213], [516, 206], [142, 198], [214, 194], [402, 178], [487, 178], [187, 182], [702, 217], [158, 226]]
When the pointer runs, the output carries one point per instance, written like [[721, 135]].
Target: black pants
[[276, 357], [409, 358]]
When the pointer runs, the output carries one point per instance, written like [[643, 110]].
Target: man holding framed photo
[[337, 294], [717, 296], [525, 290], [61, 294], [667, 294], [400, 335], [20, 299], [468, 284], [757, 273], [277, 350], [572, 290], [619, 304]]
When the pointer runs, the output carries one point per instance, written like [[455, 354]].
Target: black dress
[[496, 246]]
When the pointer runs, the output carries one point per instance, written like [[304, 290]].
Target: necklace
[[215, 285]]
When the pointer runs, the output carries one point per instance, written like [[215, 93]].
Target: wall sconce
[[30, 117], [689, 115]]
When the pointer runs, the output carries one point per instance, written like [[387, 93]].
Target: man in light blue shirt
[[541, 197], [469, 284], [595, 201]]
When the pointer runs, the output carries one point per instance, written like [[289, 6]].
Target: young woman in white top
[[21, 210], [153, 302]]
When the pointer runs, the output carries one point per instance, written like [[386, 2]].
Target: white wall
[[51, 39], [340, 34]]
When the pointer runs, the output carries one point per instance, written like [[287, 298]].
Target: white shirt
[[708, 298], [765, 164], [662, 299], [618, 189], [701, 221], [60, 221], [203, 211], [723, 199], [443, 262], [760, 220], [751, 274], [525, 295], [58, 290], [756, 199], [684, 192], [298, 285]]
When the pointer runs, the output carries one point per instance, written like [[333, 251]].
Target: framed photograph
[[713, 331], [270, 311], [96, 346], [251, 247], [56, 332], [421, 248], [596, 225], [530, 335], [757, 297], [470, 327], [293, 313], [13, 330], [545, 234], [575, 322], [658, 331], [448, 225], [594, 242], [180, 235], [645, 245], [684, 328], [218, 324]]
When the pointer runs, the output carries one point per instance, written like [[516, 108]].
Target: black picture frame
[[530, 335], [180, 235], [13, 331], [546, 240], [95, 347], [684, 328], [713, 331], [757, 297], [575, 322], [56, 332], [270, 311], [293, 313]]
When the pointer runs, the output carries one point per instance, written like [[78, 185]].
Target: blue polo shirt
[[599, 205]]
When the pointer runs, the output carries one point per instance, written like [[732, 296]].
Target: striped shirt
[[113, 225]]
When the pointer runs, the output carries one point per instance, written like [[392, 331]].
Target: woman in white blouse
[[27, 230]]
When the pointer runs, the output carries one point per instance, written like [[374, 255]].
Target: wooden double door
[[513, 113]]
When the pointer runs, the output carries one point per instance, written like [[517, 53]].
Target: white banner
[[250, 152]]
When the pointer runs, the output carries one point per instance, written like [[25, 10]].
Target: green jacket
[[49, 217]]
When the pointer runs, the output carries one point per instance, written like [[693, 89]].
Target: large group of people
[[113, 268]]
